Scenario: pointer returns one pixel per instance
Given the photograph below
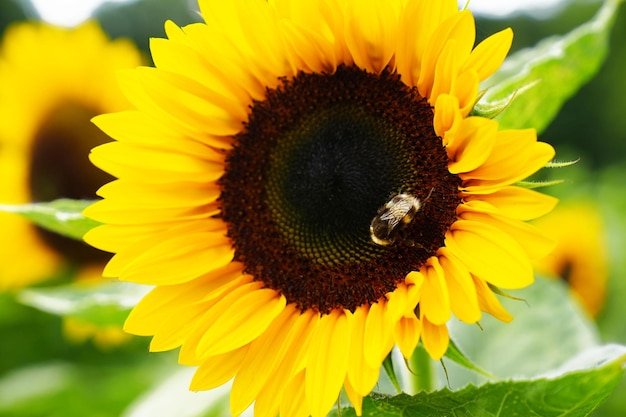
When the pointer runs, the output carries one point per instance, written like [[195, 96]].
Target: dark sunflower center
[[60, 168], [317, 162]]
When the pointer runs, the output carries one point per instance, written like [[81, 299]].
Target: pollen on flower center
[[314, 164]]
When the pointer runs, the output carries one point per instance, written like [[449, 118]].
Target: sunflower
[[305, 186], [581, 255], [52, 81]]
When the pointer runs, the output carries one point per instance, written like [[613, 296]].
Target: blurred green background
[[591, 126]]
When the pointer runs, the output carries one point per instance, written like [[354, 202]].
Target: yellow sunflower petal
[[419, 21], [295, 404], [460, 27], [328, 362], [515, 156], [218, 370], [466, 90], [259, 363], [192, 103], [517, 202], [148, 316], [488, 55], [435, 302], [489, 302], [404, 298], [472, 145], [490, 254], [447, 120], [153, 166], [371, 32], [378, 335], [255, 308], [435, 338], [160, 264], [355, 398], [294, 353], [463, 297], [406, 334], [362, 377], [531, 239]]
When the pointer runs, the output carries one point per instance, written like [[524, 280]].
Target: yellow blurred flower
[[304, 185], [581, 255], [52, 81]]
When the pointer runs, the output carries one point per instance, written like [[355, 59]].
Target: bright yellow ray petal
[[447, 120], [217, 370], [192, 103], [378, 334], [459, 26], [531, 239], [151, 165], [434, 301], [420, 19], [463, 297], [179, 259], [490, 254], [261, 360], [515, 156], [355, 398], [294, 403], [406, 334], [148, 315], [446, 70], [400, 300], [489, 302], [371, 32], [435, 338], [466, 90], [489, 55], [328, 362], [237, 319], [161, 196], [472, 144], [518, 202], [362, 376], [294, 354]]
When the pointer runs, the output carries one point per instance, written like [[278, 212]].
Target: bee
[[393, 217]]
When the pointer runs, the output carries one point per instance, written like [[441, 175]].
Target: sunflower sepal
[[532, 184], [456, 355], [492, 109], [561, 164], [63, 216]]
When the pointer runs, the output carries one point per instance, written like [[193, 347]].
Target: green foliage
[[103, 305], [63, 216], [575, 393], [534, 83]]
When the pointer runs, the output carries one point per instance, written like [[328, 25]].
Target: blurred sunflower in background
[[581, 255], [306, 187], [53, 81]]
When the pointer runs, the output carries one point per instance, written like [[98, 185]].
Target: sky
[[72, 12]]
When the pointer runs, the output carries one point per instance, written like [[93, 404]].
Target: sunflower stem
[[422, 370]]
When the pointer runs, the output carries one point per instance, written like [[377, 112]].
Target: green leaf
[[574, 390], [102, 305], [455, 354], [63, 216], [549, 327], [537, 81]]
